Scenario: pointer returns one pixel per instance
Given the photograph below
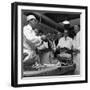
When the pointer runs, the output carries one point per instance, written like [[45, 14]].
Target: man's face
[[76, 28], [33, 22], [65, 33]]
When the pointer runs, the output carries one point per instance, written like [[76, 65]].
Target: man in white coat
[[31, 41], [76, 46]]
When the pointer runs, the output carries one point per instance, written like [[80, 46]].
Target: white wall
[[5, 46]]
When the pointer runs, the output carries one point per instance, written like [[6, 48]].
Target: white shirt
[[76, 41], [30, 35], [65, 42]]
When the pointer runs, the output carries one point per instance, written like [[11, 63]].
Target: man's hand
[[43, 37], [76, 51]]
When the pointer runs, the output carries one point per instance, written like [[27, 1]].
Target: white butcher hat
[[66, 22], [30, 17]]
